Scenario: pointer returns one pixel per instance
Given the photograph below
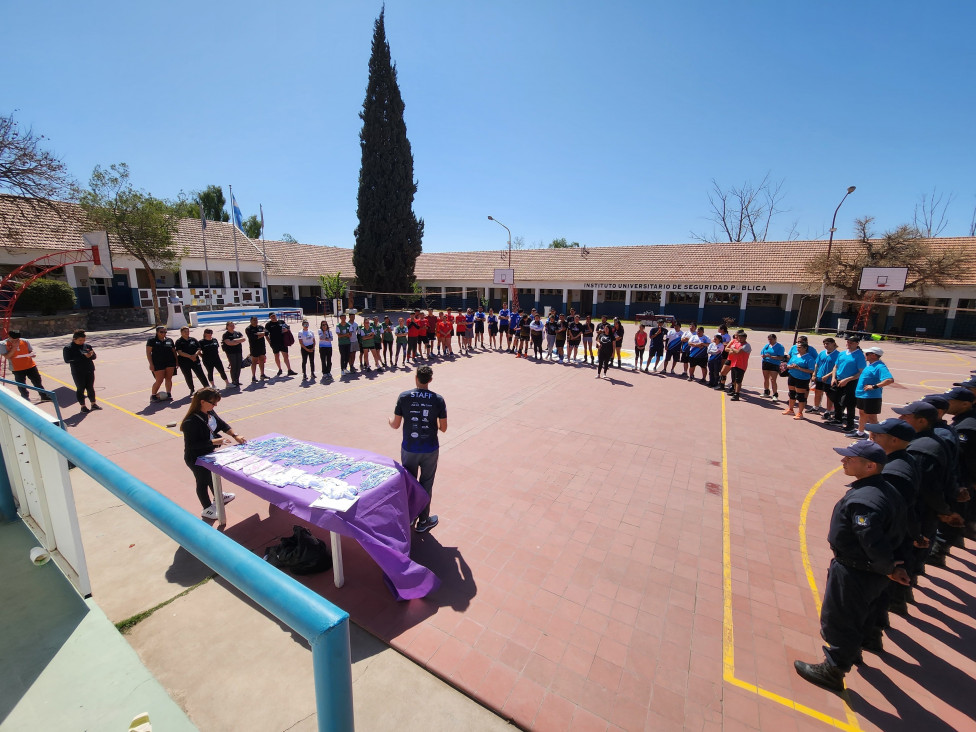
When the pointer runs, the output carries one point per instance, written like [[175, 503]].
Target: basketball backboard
[[883, 279], [97, 243], [504, 276]]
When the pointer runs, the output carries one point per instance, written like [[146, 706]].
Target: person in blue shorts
[[872, 380], [847, 369]]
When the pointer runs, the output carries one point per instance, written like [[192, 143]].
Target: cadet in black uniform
[[864, 531], [81, 357], [256, 342], [188, 352], [962, 407], [276, 337], [210, 354], [232, 343], [161, 354]]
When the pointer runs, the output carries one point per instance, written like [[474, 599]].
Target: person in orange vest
[[21, 357]]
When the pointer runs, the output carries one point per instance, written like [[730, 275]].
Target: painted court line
[[728, 635]]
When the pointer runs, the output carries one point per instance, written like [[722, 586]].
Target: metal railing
[[325, 626]]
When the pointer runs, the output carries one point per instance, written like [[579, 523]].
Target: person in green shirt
[[400, 333], [343, 332], [377, 343], [387, 341], [367, 338]]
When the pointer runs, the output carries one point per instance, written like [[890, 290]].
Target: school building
[[755, 285]]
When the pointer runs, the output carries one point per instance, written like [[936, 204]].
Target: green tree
[[48, 296], [563, 244], [333, 287], [212, 198], [389, 235], [143, 226], [288, 238], [252, 227]]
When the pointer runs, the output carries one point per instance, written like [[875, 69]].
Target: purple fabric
[[380, 520]]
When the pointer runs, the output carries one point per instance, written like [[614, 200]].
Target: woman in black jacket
[[200, 428], [81, 357]]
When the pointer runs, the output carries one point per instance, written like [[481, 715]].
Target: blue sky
[[601, 122]]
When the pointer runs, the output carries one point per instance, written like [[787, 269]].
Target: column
[[134, 286], [890, 318], [538, 299], [950, 317], [664, 300], [464, 297], [443, 297], [742, 309], [627, 303], [787, 311], [701, 306], [296, 295], [565, 300], [596, 295]]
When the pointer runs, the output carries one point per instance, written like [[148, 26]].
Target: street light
[[509, 239], [830, 244]]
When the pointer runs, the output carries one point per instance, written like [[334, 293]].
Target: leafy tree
[[563, 244], [333, 286], [212, 198], [137, 222], [388, 237], [905, 246], [252, 227], [286, 237]]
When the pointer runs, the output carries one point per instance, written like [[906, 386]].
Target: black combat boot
[[821, 674]]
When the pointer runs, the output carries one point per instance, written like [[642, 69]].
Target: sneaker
[[734, 398], [265, 377], [424, 526], [291, 373], [254, 380], [821, 674], [313, 377], [154, 398], [278, 374], [766, 392], [775, 398], [228, 497], [84, 409], [811, 409], [210, 512], [95, 407], [855, 435], [227, 384]]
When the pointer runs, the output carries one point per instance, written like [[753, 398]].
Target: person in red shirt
[[640, 343], [739, 352], [461, 324], [444, 333], [431, 332], [416, 326]]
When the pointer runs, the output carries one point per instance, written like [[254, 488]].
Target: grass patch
[[124, 626]]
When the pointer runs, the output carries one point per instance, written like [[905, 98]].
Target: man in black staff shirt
[[161, 354], [232, 342], [256, 336], [864, 531], [276, 330], [422, 413], [210, 355], [574, 335], [188, 359], [81, 357]]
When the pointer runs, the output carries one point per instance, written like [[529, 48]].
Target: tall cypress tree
[[388, 238]]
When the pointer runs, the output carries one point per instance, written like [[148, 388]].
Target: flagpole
[[264, 251], [206, 263], [237, 261]]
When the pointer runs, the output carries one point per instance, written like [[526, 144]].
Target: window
[[764, 300], [98, 286], [614, 296], [652, 296], [550, 291], [682, 298], [722, 298]]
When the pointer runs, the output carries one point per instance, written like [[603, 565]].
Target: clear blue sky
[[600, 122]]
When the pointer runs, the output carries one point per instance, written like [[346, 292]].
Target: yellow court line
[[121, 409], [804, 509], [728, 635]]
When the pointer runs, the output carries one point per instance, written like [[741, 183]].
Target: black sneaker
[[291, 373], [278, 374], [84, 409], [265, 377], [765, 392], [734, 398], [821, 674], [154, 398], [424, 526], [95, 407]]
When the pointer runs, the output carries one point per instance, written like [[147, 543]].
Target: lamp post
[[830, 244], [509, 239]]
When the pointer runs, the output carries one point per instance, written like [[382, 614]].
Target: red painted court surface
[[619, 554]]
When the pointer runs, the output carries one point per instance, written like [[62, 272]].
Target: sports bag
[[300, 553]]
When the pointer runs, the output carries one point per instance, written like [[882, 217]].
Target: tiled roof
[[36, 226]]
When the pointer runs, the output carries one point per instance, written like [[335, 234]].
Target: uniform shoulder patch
[[861, 520]]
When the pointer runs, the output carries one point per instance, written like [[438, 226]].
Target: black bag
[[300, 553]]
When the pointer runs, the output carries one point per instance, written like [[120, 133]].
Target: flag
[[203, 218], [261, 209], [238, 216]]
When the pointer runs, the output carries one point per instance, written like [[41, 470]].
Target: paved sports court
[[632, 553]]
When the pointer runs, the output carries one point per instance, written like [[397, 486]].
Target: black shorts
[[503, 327], [796, 383], [770, 367], [821, 385], [479, 327], [492, 329], [869, 406], [279, 348], [685, 358], [736, 374], [699, 361], [157, 366], [560, 343]]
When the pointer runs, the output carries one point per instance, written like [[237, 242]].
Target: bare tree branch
[[930, 213], [743, 213]]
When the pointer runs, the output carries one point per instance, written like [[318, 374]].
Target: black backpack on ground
[[300, 553]]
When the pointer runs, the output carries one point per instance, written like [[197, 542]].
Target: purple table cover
[[380, 520]]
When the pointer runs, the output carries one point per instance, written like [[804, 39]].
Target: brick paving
[[581, 540]]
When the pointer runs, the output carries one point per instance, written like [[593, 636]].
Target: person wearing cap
[[864, 531], [800, 367], [935, 475], [821, 378], [847, 370], [962, 407], [874, 377], [901, 473], [969, 383]]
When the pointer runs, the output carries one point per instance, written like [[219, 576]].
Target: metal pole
[[264, 254], [237, 261], [511, 287], [830, 244], [206, 264]]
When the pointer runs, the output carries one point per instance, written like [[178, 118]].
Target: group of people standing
[[911, 501]]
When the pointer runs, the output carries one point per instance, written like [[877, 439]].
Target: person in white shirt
[[672, 347], [306, 343]]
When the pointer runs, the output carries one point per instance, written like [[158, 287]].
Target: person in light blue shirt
[[847, 369], [800, 368], [872, 380], [773, 354], [821, 378], [800, 339]]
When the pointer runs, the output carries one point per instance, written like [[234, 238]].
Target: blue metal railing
[[325, 626], [52, 397]]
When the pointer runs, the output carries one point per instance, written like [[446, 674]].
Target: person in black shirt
[[618, 339], [161, 354], [276, 330], [864, 533], [200, 428], [551, 328], [423, 413], [604, 349], [210, 355], [233, 346], [655, 348], [561, 328], [81, 357], [573, 337], [256, 337], [188, 358], [588, 330]]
